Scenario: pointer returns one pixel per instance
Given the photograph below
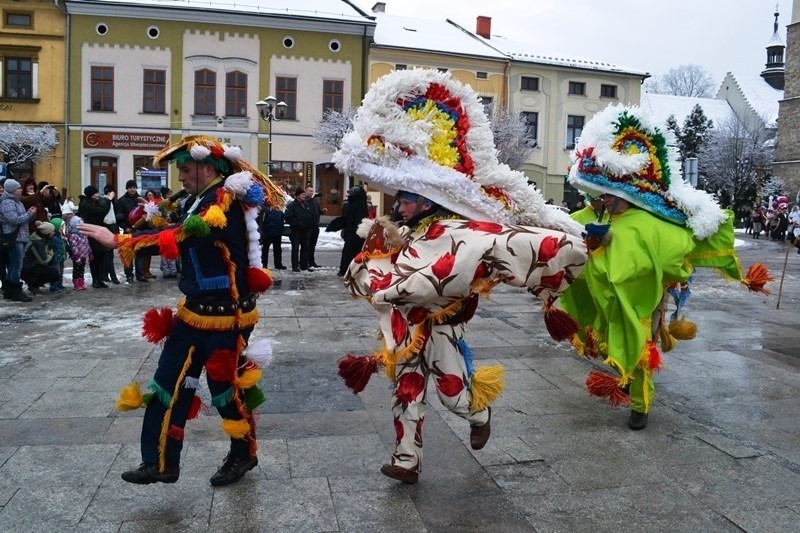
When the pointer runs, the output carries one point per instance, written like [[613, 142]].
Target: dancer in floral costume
[[661, 228], [469, 223]]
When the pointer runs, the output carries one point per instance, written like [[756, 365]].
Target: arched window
[[205, 92], [236, 94]]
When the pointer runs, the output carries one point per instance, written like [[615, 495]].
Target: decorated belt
[[219, 307]]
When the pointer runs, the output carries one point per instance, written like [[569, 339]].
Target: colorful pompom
[[757, 277], [254, 196], [221, 366], [196, 226], [560, 325], [260, 352], [605, 385], [167, 245], [238, 429], [130, 397], [157, 324], [253, 397], [486, 385], [249, 378], [258, 279], [683, 329], [214, 216], [356, 371]]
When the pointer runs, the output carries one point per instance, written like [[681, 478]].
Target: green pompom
[[253, 397], [196, 226]]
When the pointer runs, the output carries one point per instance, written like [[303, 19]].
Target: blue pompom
[[466, 352], [254, 196], [596, 230]]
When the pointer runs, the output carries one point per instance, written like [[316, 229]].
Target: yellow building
[[32, 74]]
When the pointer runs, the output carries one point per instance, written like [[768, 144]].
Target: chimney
[[484, 27], [379, 7]]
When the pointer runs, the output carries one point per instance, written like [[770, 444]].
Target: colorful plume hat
[[623, 152], [227, 160], [421, 131]]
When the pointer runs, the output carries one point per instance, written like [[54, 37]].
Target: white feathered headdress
[[421, 131]]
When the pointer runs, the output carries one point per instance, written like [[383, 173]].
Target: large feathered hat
[[421, 131], [623, 152], [227, 160]]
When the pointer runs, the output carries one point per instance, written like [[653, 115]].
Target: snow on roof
[[430, 35], [661, 106], [775, 40], [530, 53], [319, 9], [761, 97]]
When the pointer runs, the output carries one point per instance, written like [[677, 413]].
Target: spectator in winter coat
[[271, 235], [125, 204], [354, 210], [14, 218], [300, 219], [93, 209], [317, 210]]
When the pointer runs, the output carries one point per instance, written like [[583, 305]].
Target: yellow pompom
[[683, 329], [238, 429], [130, 398], [250, 377], [668, 342], [487, 384], [215, 217]]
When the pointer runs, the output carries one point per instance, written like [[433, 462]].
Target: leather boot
[[16, 294], [233, 470], [479, 435], [400, 474], [148, 473], [637, 420]]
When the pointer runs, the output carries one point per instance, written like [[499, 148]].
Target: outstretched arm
[[99, 233]]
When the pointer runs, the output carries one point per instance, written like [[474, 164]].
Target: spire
[[775, 69]]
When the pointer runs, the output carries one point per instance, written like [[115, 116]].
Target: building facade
[[144, 72], [32, 79], [787, 157]]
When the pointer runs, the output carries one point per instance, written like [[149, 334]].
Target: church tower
[[775, 67], [787, 156]]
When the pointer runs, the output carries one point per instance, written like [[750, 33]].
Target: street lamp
[[270, 109]]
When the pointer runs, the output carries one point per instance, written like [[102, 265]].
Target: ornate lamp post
[[270, 109]]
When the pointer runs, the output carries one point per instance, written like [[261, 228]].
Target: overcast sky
[[718, 35]]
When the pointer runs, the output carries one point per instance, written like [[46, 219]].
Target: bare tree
[[332, 128], [514, 144], [20, 143], [728, 162], [685, 80]]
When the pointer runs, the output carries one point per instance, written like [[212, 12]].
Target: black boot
[[637, 420], [233, 470], [148, 473], [15, 293]]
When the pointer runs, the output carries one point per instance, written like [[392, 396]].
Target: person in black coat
[[271, 235], [354, 210], [93, 209], [300, 219]]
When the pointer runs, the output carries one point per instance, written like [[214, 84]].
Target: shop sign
[[123, 140]]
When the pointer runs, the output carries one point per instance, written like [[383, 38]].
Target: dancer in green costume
[[660, 230]]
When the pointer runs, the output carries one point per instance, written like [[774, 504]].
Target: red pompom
[[654, 362], [195, 408], [757, 277], [221, 366], [559, 324], [258, 279], [356, 371], [167, 245], [157, 324], [606, 386]]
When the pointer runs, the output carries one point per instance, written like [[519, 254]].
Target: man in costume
[[218, 242], [594, 212], [661, 228], [468, 224]]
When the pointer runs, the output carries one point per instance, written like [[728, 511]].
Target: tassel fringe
[[605, 385], [757, 277], [559, 324], [486, 385], [357, 370]]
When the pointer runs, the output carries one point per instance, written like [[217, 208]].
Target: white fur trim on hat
[[422, 131]]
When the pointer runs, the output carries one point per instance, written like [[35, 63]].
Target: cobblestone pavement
[[721, 452]]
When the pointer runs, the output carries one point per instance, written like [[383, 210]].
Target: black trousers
[[299, 238], [277, 253], [313, 235]]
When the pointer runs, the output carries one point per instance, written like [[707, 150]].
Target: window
[[236, 94], [442, 69], [574, 129], [608, 91], [577, 88], [154, 91], [531, 121], [400, 66], [19, 78], [332, 95], [205, 92], [286, 91], [102, 89], [529, 84], [482, 75], [19, 20], [486, 102]]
